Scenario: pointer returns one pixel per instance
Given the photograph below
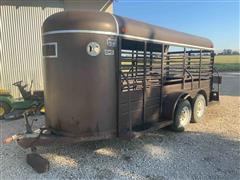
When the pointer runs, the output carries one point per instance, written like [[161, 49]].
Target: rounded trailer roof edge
[[123, 35], [109, 24], [117, 25]]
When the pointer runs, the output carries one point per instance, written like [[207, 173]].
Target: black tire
[[199, 106], [182, 116], [4, 109]]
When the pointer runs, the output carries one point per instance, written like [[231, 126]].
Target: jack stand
[[37, 162], [27, 125]]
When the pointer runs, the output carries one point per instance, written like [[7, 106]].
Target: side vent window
[[50, 50]]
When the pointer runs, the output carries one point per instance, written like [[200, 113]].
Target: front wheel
[[182, 116], [199, 105], [4, 109]]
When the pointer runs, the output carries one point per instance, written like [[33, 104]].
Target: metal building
[[21, 40]]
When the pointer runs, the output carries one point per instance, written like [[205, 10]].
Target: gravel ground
[[206, 150]]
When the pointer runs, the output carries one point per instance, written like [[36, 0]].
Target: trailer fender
[[170, 103]]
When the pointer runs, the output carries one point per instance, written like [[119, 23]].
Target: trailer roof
[[105, 23]]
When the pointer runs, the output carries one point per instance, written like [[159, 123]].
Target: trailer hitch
[[35, 160]]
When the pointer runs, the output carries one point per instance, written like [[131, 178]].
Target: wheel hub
[[185, 116], [200, 108]]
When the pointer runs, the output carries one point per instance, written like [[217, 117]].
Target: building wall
[[87, 5], [21, 41]]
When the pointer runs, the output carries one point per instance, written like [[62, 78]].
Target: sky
[[217, 20]]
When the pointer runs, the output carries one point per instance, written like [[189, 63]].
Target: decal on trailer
[[111, 42], [109, 52], [93, 49]]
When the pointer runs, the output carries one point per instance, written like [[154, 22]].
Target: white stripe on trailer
[[124, 35]]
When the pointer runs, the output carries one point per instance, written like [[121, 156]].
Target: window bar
[[168, 65], [161, 87], [200, 68], [189, 59], [144, 84], [119, 76], [129, 108], [136, 63], [132, 62], [133, 67], [184, 67], [212, 69], [151, 60]]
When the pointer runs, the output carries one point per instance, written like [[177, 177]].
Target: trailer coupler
[[27, 140]]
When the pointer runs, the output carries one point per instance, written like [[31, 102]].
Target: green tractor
[[11, 108]]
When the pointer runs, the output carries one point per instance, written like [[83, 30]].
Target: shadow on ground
[[159, 155]]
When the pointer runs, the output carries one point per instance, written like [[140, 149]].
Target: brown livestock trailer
[[108, 76]]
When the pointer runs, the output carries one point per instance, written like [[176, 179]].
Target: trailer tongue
[[45, 137]]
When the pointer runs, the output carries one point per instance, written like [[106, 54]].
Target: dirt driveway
[[207, 150]]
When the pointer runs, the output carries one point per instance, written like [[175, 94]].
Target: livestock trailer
[[108, 76]]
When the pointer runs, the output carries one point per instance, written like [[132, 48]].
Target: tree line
[[228, 52]]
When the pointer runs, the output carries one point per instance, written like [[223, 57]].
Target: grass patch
[[228, 67], [227, 63], [228, 59]]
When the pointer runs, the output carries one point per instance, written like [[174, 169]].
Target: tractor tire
[[199, 106], [182, 115], [4, 109]]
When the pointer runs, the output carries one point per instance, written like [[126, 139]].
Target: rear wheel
[[199, 105], [182, 116], [4, 109]]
